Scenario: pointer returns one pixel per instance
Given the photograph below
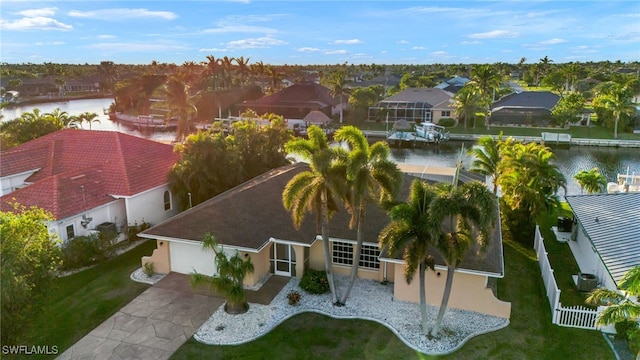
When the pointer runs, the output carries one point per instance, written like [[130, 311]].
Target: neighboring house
[[525, 108], [89, 180], [295, 101], [251, 219], [453, 85], [605, 238], [415, 105]]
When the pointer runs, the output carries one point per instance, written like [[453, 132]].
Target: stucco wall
[[111, 212], [187, 257], [260, 263], [160, 258], [149, 207], [469, 292], [589, 261], [10, 183]]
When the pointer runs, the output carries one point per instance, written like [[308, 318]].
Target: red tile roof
[[103, 163]]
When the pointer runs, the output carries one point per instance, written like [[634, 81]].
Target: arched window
[[167, 200]]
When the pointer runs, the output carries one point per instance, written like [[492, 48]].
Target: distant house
[[525, 108], [86, 179], [453, 85], [414, 105], [251, 219], [605, 238], [295, 101]]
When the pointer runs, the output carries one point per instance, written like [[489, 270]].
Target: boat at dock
[[626, 184], [146, 122], [424, 133]]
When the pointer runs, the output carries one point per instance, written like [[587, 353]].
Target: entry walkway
[[157, 322]]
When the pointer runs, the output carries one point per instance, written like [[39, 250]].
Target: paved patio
[[156, 323]]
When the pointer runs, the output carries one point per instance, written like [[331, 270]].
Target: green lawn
[[80, 302], [529, 336]]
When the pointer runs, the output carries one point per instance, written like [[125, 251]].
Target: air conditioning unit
[[587, 282]]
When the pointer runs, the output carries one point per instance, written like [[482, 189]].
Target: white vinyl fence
[[574, 316]]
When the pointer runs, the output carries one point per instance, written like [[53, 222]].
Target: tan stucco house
[[251, 219]]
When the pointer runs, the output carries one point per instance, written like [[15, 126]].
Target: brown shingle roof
[[249, 215]]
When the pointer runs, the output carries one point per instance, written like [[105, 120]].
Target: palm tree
[[338, 86], [591, 180], [471, 212], [617, 99], [410, 231], [243, 68], [371, 175], [467, 102], [59, 117], [487, 158], [486, 80], [181, 105], [545, 63], [230, 276], [317, 190], [620, 304]]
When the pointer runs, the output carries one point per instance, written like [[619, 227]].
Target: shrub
[[85, 250], [624, 329], [314, 281], [134, 230], [634, 341], [294, 297], [447, 122], [148, 269]]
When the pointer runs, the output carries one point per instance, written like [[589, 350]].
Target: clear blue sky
[[319, 32]]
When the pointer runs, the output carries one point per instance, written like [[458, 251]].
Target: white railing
[[575, 316]]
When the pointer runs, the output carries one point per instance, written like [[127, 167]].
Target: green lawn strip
[[530, 334], [79, 303]]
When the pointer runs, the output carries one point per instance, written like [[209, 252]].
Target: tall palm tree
[[59, 117], [411, 232], [620, 305], [243, 68], [318, 190], [371, 176], [591, 180], [545, 64], [471, 212], [487, 158], [338, 86], [467, 102], [616, 98], [229, 278], [181, 105], [486, 80]]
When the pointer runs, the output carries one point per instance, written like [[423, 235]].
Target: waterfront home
[[90, 180], [524, 108], [415, 105], [251, 219]]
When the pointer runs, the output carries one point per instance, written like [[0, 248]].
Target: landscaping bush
[[85, 250], [624, 329], [148, 269], [134, 230], [634, 341], [314, 282], [447, 122], [294, 297]]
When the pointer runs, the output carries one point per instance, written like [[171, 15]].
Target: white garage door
[[187, 257]]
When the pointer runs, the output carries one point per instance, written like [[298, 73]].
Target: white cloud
[[212, 50], [418, 48], [34, 23], [336, 52], [308, 49], [39, 43], [553, 41], [240, 29], [255, 43], [47, 12], [122, 14], [494, 34], [474, 42], [439, 53], [106, 36], [347, 42], [402, 42]]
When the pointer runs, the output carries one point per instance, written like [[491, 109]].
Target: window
[[343, 254], [167, 200], [446, 113], [70, 232]]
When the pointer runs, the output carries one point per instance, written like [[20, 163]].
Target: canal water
[[610, 161]]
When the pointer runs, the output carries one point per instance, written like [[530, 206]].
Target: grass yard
[[529, 336], [78, 303]]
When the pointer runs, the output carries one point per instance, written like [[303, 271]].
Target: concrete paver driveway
[[152, 326]]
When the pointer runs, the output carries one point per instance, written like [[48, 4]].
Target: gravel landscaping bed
[[140, 276], [369, 300]]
